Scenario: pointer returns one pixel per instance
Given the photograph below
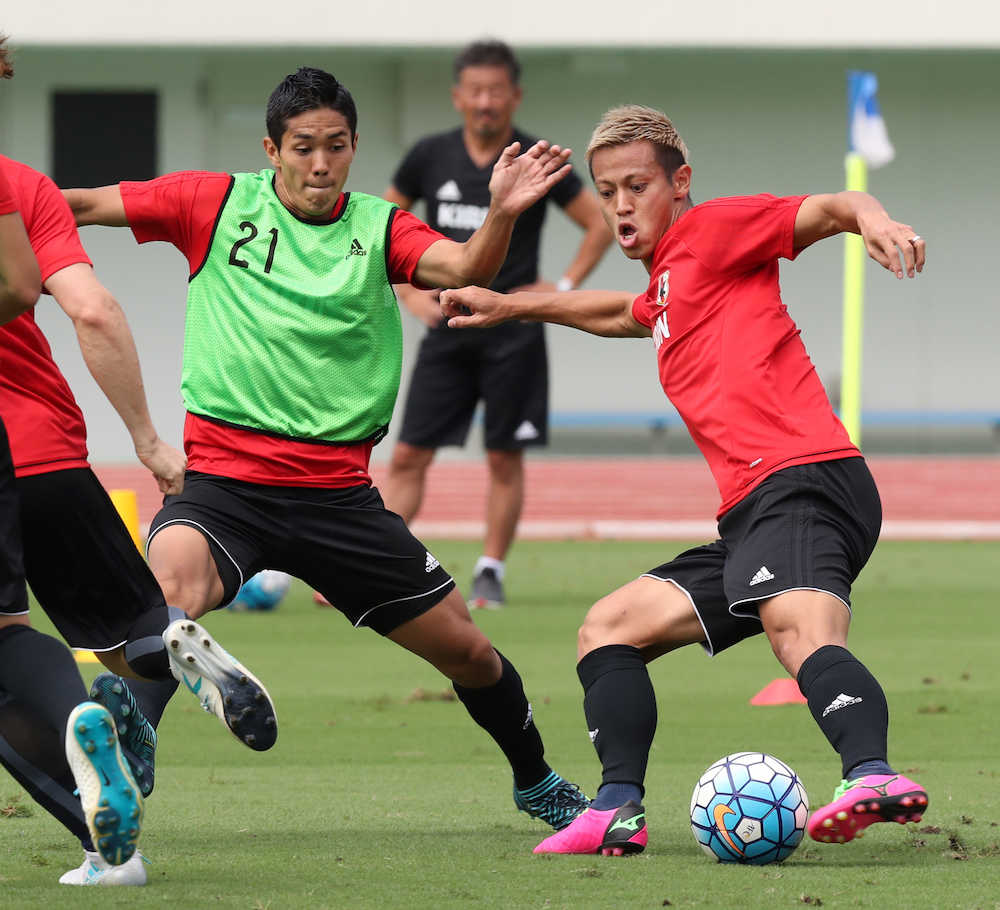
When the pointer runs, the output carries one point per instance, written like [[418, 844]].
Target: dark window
[[103, 137]]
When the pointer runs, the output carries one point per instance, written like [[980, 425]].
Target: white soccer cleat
[[95, 871], [222, 684], [110, 798]]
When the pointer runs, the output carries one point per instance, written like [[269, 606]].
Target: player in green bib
[[292, 357]]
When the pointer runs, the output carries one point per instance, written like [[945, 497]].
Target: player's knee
[[594, 633], [505, 467], [473, 663], [408, 459]]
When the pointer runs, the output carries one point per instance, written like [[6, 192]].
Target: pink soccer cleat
[[611, 832], [861, 802]]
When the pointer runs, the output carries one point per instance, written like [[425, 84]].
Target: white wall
[[585, 23], [755, 121]]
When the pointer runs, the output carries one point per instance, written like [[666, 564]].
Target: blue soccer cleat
[[111, 800]]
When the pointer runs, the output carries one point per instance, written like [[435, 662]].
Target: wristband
[[565, 284]]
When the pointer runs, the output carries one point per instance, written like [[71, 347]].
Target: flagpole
[[853, 309]]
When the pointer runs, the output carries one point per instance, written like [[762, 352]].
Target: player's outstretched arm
[[102, 205], [109, 352], [607, 313], [893, 245], [518, 182]]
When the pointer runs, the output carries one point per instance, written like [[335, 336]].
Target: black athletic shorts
[[13, 593], [810, 526], [506, 367], [81, 561], [343, 543]]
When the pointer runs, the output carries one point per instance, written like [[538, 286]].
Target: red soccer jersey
[[730, 357], [182, 209], [45, 425]]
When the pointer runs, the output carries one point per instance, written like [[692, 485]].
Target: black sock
[[145, 651], [41, 674], [31, 749], [620, 707], [848, 704], [152, 695], [503, 711]]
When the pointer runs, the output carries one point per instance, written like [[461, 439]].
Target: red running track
[[662, 498]]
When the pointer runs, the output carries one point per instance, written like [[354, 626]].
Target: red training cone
[[783, 691]]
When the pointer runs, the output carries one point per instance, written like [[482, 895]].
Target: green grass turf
[[381, 794]]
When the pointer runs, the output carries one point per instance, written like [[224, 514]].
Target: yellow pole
[[128, 508], [854, 310]]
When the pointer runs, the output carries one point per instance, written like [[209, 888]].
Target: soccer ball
[[749, 807], [264, 591]]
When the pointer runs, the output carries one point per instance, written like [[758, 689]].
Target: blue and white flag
[[866, 132]]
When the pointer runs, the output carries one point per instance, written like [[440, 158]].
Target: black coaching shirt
[[438, 170]]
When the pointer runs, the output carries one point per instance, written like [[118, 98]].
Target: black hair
[[668, 158], [6, 67], [488, 53], [307, 89]]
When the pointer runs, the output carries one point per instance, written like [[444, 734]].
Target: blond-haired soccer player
[[800, 513]]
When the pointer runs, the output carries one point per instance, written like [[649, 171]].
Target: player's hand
[[519, 181], [472, 307], [425, 305], [166, 464], [894, 246]]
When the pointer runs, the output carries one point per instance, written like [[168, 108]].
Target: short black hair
[[488, 53], [307, 89]]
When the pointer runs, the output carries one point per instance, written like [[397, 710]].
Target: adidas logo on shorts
[[431, 564], [763, 574]]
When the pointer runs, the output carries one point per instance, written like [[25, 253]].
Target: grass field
[[381, 792]]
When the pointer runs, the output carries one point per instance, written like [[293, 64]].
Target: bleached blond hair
[[636, 123]]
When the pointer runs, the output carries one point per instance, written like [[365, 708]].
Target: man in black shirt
[[505, 367]]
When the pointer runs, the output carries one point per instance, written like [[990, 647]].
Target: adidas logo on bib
[[357, 249]]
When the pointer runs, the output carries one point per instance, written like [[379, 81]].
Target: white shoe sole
[[222, 684]]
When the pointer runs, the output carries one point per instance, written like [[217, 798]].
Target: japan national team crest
[[661, 296]]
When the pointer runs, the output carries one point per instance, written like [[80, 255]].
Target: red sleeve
[[179, 208], [7, 202], [742, 232], [409, 239], [52, 229]]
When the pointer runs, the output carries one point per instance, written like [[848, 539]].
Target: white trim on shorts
[[748, 600], [397, 600], [707, 643], [124, 641], [194, 524], [19, 613]]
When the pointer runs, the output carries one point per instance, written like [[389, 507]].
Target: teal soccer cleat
[[555, 801], [111, 800], [135, 733]]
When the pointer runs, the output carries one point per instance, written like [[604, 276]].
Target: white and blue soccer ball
[[749, 807], [263, 591]]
